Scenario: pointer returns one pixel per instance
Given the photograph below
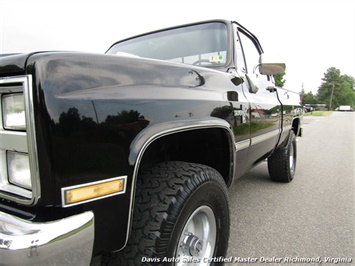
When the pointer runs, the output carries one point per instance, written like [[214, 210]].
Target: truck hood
[[13, 64]]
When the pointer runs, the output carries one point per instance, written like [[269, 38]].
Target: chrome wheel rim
[[198, 238], [292, 158]]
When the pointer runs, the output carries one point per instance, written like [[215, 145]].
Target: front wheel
[[181, 217], [282, 164], [198, 238]]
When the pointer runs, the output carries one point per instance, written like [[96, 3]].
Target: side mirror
[[272, 68], [252, 87]]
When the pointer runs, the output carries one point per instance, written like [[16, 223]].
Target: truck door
[[265, 109]]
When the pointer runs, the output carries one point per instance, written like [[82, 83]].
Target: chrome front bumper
[[68, 241]]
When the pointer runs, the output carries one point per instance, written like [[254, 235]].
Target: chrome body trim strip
[[287, 128], [264, 137], [242, 145]]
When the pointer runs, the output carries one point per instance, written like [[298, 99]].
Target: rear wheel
[[282, 164], [181, 215]]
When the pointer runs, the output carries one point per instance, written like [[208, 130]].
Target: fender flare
[[152, 133], [297, 125], [148, 135]]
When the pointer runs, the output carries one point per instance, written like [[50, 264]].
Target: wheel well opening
[[296, 126], [210, 147]]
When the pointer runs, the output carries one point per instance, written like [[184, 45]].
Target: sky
[[310, 36]]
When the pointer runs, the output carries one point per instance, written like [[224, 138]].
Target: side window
[[252, 58], [239, 55], [251, 54]]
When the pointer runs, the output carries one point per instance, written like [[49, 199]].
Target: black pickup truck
[[129, 154]]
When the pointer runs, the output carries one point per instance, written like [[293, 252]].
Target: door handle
[[271, 89]]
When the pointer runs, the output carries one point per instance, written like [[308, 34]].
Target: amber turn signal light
[[91, 191]]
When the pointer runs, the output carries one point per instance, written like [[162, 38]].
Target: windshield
[[203, 44]]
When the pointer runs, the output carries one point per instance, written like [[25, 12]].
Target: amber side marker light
[[93, 191]]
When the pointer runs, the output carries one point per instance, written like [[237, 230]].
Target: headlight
[[14, 112], [19, 169]]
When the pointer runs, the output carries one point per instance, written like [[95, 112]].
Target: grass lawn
[[319, 113]]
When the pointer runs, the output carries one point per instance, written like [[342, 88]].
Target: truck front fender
[[150, 134]]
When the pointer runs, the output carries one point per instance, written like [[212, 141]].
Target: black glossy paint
[[110, 100], [89, 109], [94, 114], [12, 64]]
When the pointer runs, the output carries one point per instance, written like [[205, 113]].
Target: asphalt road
[[311, 218]]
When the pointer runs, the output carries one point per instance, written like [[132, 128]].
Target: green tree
[[309, 98], [336, 89], [279, 79], [350, 80]]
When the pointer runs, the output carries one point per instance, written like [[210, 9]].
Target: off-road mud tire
[[166, 197], [282, 164]]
